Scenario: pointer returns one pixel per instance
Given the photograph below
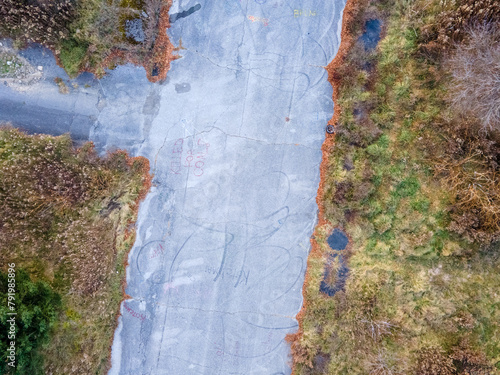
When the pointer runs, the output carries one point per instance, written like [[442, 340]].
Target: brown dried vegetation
[[468, 361], [414, 183], [434, 361], [453, 18], [470, 167], [92, 35], [474, 64], [40, 21], [64, 218]]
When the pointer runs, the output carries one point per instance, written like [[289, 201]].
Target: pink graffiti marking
[[267, 344], [219, 351], [158, 250], [194, 160], [170, 286], [236, 353], [196, 157], [135, 314], [265, 21]]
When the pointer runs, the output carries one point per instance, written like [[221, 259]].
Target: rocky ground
[[16, 71]]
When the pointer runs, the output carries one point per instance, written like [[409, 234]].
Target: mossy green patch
[[72, 56]]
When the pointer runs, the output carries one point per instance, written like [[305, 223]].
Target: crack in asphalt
[[256, 139], [240, 68]]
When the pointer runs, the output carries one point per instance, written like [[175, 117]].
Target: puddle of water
[[371, 36], [134, 30], [131, 26], [338, 242], [156, 71]]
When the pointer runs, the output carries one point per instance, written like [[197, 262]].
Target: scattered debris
[[15, 70], [63, 89]]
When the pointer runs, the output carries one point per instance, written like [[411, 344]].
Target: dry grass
[[91, 35], [468, 165], [64, 218], [421, 296], [474, 90], [448, 22]]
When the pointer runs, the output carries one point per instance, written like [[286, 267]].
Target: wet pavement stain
[[176, 16], [151, 108], [181, 88]]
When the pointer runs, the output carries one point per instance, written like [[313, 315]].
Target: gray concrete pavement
[[234, 138]]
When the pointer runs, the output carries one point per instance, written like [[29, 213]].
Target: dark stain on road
[[176, 16], [182, 87]]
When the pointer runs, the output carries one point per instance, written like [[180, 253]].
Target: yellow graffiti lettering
[[304, 13]]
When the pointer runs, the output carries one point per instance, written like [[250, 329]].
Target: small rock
[[40, 68], [9, 63]]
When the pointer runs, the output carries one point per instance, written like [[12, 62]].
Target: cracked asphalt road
[[234, 138]]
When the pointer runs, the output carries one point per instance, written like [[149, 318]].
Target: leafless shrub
[[475, 69], [454, 19], [378, 328], [465, 320], [152, 14], [469, 167], [303, 352], [468, 361], [383, 363], [44, 22], [433, 361]]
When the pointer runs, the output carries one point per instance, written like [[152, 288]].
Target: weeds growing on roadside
[[87, 34], [415, 187], [64, 220]]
